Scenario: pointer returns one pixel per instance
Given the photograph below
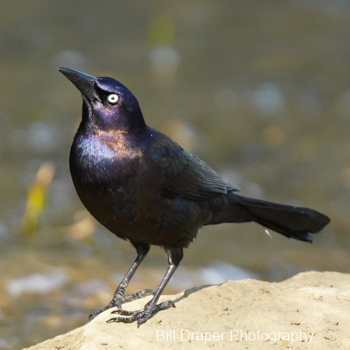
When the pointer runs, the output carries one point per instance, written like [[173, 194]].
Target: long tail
[[290, 221]]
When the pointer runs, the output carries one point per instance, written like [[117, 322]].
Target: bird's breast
[[103, 159], [106, 180], [102, 169]]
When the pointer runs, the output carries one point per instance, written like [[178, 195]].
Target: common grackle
[[145, 188]]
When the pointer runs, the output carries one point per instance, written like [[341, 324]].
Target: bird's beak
[[83, 82]]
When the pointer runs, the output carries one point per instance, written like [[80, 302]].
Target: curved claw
[[96, 313], [119, 299], [125, 312], [166, 304], [141, 316]]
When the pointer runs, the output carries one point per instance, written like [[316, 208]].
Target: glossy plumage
[[145, 188]]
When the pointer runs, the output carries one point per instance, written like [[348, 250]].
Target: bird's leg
[[175, 255], [119, 295]]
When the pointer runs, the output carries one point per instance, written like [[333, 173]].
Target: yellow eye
[[113, 98]]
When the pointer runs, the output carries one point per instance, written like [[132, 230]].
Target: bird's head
[[107, 104]]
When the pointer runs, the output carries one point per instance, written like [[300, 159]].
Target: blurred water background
[[260, 90]]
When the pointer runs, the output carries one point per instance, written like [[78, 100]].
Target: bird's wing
[[185, 175]]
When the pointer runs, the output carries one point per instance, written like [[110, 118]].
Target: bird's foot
[[141, 316], [119, 299]]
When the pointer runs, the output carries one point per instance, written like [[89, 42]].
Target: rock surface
[[309, 311]]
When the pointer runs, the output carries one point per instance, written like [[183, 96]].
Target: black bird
[[145, 188]]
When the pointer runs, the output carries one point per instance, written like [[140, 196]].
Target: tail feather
[[290, 221]]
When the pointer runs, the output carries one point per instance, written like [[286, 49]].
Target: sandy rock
[[309, 311]]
